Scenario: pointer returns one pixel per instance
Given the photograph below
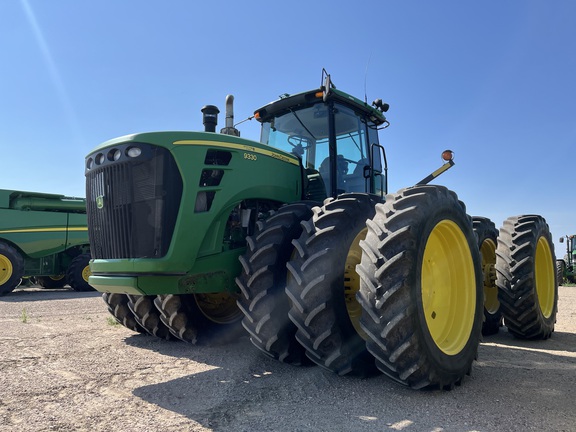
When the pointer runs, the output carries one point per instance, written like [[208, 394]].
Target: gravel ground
[[64, 366]]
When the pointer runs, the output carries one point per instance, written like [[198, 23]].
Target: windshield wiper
[[303, 125]]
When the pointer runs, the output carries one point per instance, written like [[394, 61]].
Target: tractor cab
[[335, 137], [570, 249]]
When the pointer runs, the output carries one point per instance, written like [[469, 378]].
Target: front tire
[[323, 282], [199, 318], [78, 273], [560, 271], [263, 282], [421, 288], [11, 268], [528, 289], [147, 316], [118, 308]]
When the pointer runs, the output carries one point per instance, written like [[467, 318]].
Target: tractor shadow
[[245, 390], [36, 293], [239, 388], [235, 343], [560, 341]]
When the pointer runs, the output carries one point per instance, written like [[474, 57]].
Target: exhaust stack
[[229, 129]]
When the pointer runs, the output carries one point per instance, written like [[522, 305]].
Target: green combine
[[43, 237], [297, 238]]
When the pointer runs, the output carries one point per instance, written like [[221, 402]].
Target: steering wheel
[[348, 160], [296, 141]]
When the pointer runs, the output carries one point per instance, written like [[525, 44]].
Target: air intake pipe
[[210, 117]]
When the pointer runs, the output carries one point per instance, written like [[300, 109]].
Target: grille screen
[[132, 205]]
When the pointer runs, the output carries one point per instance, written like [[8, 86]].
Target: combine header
[[45, 237]]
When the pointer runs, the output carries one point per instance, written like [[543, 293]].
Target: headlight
[[133, 152], [100, 159], [114, 155]]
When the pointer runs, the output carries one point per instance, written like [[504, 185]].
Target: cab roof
[[300, 100]]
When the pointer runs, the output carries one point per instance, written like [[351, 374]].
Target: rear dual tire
[[421, 288], [527, 277], [487, 236]]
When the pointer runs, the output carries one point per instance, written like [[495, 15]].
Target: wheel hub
[[544, 277], [352, 282], [220, 308], [448, 287], [488, 254], [86, 273], [5, 269]]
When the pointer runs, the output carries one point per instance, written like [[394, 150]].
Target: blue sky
[[494, 81]]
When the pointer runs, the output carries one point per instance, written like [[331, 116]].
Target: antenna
[[365, 77]]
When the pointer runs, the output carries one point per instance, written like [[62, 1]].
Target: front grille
[[132, 202]]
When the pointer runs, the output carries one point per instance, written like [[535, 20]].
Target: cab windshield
[[305, 133]]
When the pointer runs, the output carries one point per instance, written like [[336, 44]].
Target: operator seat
[[342, 169], [356, 181]]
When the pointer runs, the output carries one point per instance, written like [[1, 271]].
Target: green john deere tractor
[[43, 237], [296, 237], [565, 267]]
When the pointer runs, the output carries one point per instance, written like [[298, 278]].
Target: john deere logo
[[100, 201]]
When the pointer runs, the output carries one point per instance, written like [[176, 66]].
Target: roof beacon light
[[448, 155]]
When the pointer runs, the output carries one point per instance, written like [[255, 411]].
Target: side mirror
[[561, 239], [327, 86]]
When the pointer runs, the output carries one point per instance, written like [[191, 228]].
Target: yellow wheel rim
[[488, 255], [352, 282], [57, 278], [5, 269], [220, 308], [86, 273], [544, 275], [448, 287]]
